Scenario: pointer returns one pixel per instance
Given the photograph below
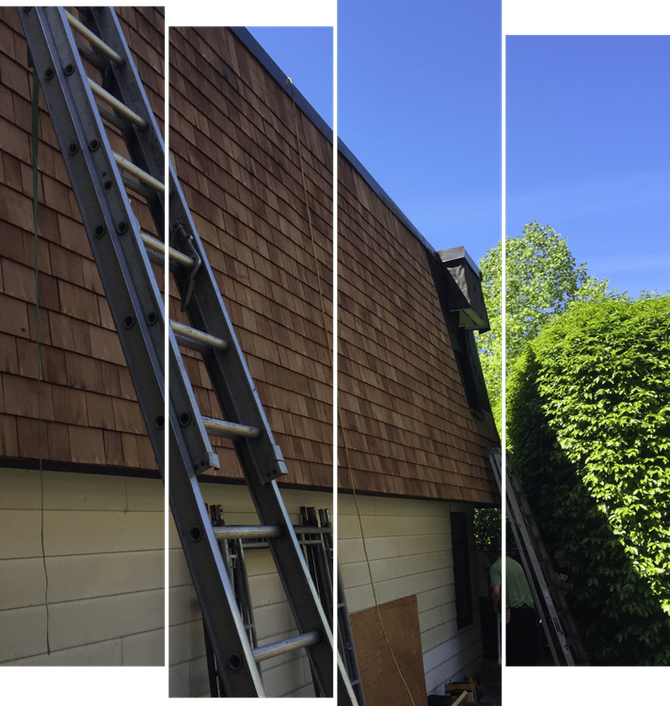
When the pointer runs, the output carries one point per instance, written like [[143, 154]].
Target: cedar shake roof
[[407, 426]]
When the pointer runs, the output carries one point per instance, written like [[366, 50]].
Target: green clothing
[[518, 591]]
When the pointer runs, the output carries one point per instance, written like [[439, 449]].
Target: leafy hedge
[[589, 431]]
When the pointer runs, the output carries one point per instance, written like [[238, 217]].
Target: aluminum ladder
[[93, 92], [559, 626], [315, 536]]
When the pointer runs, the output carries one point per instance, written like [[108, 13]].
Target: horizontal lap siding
[[408, 545], [89, 408], [105, 560], [104, 557]]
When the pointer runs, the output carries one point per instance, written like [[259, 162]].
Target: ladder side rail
[[234, 562], [260, 458], [306, 539], [308, 549], [346, 641], [538, 598], [527, 513], [314, 544], [296, 580], [216, 687], [323, 568], [131, 289], [227, 369], [244, 593], [145, 145], [539, 560], [345, 638], [563, 613], [324, 564], [573, 639], [529, 547], [549, 574], [216, 593]]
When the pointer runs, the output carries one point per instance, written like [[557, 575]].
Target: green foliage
[[542, 280], [487, 525], [589, 431]]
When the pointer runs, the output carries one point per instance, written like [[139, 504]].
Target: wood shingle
[[406, 428]]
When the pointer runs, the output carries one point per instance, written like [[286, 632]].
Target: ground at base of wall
[[487, 689], [489, 683]]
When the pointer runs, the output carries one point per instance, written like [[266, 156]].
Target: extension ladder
[[315, 536], [560, 629], [87, 111]]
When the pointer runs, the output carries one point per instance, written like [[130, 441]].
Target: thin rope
[[35, 123], [339, 410]]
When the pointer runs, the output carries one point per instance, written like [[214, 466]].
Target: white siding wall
[[287, 675], [409, 547], [104, 547], [409, 544], [104, 558]]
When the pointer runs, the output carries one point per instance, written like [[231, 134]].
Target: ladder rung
[[175, 255], [246, 532], [192, 338], [151, 242], [116, 103], [110, 117], [283, 646], [135, 186], [89, 56], [139, 173], [94, 39], [229, 430], [179, 257], [155, 249]]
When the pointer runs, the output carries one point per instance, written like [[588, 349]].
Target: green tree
[[542, 279], [589, 430]]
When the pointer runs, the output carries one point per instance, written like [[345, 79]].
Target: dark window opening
[[461, 555], [462, 316]]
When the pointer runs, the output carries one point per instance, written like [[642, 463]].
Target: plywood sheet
[[382, 683]]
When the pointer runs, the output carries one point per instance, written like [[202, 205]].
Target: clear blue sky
[[588, 144], [588, 150], [419, 104]]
